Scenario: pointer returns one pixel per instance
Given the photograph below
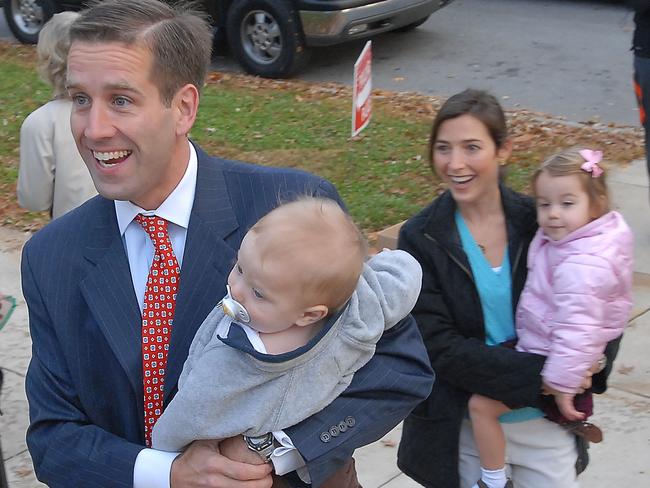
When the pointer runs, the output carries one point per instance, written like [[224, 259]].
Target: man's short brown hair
[[179, 37]]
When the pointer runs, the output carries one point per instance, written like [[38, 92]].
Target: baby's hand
[[564, 402]]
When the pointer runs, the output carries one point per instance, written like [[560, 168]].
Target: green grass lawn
[[383, 175]]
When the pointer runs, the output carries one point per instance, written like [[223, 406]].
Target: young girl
[[576, 299]]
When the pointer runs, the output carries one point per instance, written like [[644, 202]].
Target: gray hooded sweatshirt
[[228, 388]]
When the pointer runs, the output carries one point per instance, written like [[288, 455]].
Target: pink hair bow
[[592, 158]]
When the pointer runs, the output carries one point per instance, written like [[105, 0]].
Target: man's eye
[[239, 270], [80, 100], [121, 101]]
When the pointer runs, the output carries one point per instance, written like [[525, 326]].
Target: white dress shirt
[[152, 467]]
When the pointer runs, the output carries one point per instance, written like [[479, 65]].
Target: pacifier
[[233, 309]]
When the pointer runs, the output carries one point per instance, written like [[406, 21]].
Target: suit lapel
[[207, 260], [108, 291]]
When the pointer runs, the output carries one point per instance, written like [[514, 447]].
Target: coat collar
[[520, 217]]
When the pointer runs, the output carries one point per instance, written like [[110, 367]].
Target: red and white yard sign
[[361, 88]]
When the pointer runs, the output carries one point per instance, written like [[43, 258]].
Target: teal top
[[494, 286]]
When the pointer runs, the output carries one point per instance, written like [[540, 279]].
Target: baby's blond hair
[[569, 162], [322, 247]]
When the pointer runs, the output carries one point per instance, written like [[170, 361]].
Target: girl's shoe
[[587, 430], [481, 484]]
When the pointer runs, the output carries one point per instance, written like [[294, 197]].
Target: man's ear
[[312, 315], [186, 105]]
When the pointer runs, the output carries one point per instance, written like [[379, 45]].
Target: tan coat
[[52, 176]]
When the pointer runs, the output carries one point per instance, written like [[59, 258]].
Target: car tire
[[413, 25], [26, 18], [266, 38]]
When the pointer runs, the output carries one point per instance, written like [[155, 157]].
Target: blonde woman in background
[[52, 176]]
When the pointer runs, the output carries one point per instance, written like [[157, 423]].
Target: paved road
[[564, 57]]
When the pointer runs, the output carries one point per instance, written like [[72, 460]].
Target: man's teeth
[[461, 179], [108, 156]]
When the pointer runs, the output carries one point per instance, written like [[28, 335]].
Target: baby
[[303, 312]]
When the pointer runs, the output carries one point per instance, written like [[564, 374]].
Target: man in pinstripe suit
[[135, 70]]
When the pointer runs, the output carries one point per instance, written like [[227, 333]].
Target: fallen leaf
[[22, 471], [524, 138], [625, 370]]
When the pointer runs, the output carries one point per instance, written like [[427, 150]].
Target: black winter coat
[[450, 319]]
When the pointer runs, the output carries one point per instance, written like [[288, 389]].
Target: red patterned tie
[[157, 318]]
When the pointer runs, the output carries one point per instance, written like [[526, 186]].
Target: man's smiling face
[[129, 139]]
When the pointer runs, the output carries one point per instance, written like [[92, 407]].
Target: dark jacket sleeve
[[462, 360], [381, 395], [66, 448]]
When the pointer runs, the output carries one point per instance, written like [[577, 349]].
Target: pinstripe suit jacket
[[84, 382]]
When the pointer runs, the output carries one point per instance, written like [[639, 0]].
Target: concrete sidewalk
[[623, 459]]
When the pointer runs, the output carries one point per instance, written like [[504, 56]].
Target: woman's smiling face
[[466, 158]]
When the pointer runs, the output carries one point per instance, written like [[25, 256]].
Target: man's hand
[[235, 449], [202, 465], [564, 402]]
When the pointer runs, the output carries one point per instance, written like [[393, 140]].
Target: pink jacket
[[577, 298]]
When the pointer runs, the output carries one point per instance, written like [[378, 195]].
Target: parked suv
[[269, 38]]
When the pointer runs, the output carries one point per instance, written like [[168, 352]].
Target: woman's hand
[[586, 382]]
